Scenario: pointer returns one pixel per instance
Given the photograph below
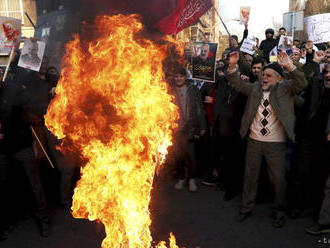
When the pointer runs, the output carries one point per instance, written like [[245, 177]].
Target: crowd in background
[[262, 123], [259, 123]]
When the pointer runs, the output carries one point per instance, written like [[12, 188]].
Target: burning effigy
[[113, 106]]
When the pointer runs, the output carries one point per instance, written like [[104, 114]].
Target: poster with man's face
[[32, 55], [203, 61], [244, 15], [10, 34]]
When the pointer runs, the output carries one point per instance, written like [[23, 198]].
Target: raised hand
[[233, 59], [319, 56], [284, 60]]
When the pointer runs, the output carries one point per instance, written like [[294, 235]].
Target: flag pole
[[28, 17], [216, 11]]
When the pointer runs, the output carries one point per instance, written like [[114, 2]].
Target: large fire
[[113, 106]]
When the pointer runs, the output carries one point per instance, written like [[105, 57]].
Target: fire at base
[[113, 106]]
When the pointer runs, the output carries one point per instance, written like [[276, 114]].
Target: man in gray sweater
[[269, 119]]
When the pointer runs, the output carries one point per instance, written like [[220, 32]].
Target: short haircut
[[181, 70], [258, 61], [282, 28]]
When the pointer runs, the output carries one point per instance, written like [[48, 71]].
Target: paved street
[[199, 219]]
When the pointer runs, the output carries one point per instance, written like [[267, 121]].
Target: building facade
[[310, 7], [206, 29], [17, 9]]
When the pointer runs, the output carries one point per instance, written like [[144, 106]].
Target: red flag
[[185, 14]]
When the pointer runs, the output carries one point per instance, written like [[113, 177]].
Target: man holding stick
[[16, 146]]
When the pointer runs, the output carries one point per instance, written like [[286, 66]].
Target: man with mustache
[[269, 120]]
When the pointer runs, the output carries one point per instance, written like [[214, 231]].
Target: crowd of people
[[24, 99], [260, 123]]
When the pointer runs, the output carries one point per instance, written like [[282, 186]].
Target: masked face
[[52, 75]]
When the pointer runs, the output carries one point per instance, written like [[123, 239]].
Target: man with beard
[[203, 65], [256, 70], [269, 119]]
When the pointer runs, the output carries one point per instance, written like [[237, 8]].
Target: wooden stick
[[8, 64], [42, 147]]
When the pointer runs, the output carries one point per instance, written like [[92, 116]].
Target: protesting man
[[269, 117], [192, 125], [268, 44]]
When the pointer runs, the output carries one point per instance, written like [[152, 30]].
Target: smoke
[[151, 11]]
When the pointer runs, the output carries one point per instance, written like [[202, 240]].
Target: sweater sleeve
[[238, 84]]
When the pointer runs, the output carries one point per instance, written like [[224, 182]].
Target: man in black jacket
[[228, 110], [16, 146], [311, 153], [268, 44]]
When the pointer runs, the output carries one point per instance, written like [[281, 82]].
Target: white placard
[[10, 33], [248, 44], [32, 54], [318, 28]]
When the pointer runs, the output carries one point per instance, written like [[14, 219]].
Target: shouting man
[[269, 119]]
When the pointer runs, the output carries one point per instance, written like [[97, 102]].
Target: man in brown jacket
[[269, 118]]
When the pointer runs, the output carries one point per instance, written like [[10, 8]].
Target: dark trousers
[[24, 159], [324, 217], [63, 163], [184, 156], [274, 153], [231, 169], [309, 173]]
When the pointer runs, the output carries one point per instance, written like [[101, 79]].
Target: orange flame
[[113, 105]]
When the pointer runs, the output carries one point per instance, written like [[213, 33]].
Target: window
[[12, 8]]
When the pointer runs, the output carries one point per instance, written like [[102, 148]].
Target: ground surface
[[199, 219]]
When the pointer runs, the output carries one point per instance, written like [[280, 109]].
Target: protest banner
[[318, 28], [285, 43], [203, 61], [10, 34], [186, 13], [244, 15], [32, 54], [248, 44]]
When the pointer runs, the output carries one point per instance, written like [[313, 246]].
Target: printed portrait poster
[[248, 44], [244, 15], [32, 54], [318, 28], [284, 43], [10, 34], [203, 61]]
